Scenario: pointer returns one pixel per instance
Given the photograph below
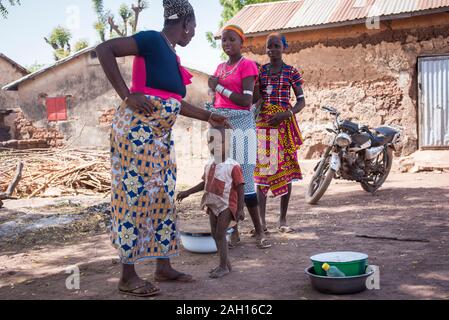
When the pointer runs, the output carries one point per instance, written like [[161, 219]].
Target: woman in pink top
[[233, 84]]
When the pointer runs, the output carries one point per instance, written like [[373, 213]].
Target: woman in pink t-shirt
[[233, 84]]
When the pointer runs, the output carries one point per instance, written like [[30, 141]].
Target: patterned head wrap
[[281, 37], [237, 30], [175, 9], [284, 42]]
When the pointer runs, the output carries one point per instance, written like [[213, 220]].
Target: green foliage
[[230, 9], [60, 38], [128, 16], [61, 53], [125, 13], [4, 3], [35, 67], [100, 27], [81, 44]]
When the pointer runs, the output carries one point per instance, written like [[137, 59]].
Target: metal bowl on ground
[[200, 242], [338, 286]]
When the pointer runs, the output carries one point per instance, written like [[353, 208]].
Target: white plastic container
[[201, 242]]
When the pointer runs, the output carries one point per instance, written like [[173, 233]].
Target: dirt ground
[[40, 239]]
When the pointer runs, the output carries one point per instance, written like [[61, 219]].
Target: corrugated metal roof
[[311, 14]]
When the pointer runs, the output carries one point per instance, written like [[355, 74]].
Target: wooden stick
[[12, 186], [391, 238]]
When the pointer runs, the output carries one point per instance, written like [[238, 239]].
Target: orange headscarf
[[237, 30]]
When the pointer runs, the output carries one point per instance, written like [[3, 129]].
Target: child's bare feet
[[220, 273]]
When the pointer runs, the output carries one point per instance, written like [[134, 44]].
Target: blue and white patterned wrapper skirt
[[244, 142]]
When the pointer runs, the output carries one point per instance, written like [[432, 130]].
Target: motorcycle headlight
[[343, 140]]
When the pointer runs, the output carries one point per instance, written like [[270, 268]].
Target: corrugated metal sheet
[[275, 15], [434, 101], [296, 14]]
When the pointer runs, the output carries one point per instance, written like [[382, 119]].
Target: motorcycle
[[355, 153]]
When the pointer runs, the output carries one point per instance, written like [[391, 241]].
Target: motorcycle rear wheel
[[387, 161], [320, 181]]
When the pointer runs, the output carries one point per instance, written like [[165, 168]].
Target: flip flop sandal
[[263, 244], [234, 245], [215, 275], [213, 270], [253, 232], [153, 291], [182, 277], [286, 229]]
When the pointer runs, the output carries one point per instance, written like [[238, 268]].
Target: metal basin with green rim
[[347, 285], [350, 263]]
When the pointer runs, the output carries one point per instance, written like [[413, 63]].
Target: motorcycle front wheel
[[377, 179], [320, 181]]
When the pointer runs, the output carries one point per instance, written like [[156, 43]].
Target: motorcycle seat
[[383, 136], [350, 126]]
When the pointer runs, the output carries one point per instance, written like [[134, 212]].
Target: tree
[[81, 44], [129, 19], [35, 67], [3, 4], [100, 25], [59, 40], [230, 9]]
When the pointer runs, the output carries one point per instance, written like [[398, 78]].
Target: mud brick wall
[[8, 73], [31, 137], [369, 75]]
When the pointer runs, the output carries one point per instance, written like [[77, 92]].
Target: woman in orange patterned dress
[[143, 160]]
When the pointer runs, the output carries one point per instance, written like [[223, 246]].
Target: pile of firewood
[[54, 172]]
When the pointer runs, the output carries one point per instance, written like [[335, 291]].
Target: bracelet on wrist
[[219, 88], [227, 93]]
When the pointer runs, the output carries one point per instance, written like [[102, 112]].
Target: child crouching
[[224, 197]]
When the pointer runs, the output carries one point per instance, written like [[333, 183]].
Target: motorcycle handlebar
[[331, 110]]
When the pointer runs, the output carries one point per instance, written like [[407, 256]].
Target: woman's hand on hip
[[278, 118], [140, 102], [217, 120]]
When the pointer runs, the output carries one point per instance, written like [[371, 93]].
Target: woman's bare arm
[[107, 53], [300, 102]]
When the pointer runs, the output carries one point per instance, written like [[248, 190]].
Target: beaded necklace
[[270, 86], [223, 74], [172, 47]]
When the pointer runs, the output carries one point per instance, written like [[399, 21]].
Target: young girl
[[223, 184], [276, 81], [233, 84]]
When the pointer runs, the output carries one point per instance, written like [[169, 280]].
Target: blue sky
[[22, 33]]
